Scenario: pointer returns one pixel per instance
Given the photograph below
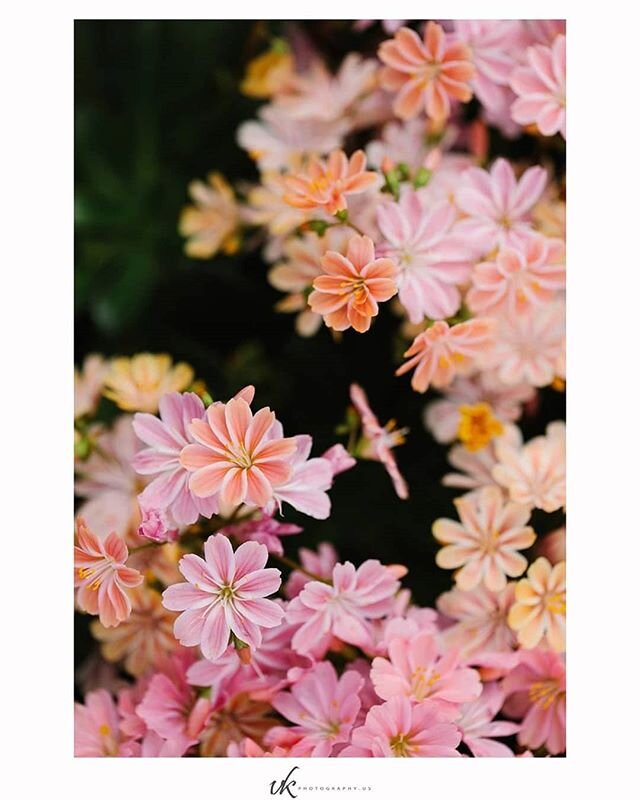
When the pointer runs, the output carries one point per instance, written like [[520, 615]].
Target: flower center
[[400, 746], [543, 693], [240, 456], [227, 593], [556, 603], [421, 685], [478, 426]]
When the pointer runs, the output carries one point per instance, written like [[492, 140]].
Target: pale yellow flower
[[138, 383], [212, 223], [268, 73], [540, 608]]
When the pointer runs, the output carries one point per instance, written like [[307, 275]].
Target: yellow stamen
[[543, 693]]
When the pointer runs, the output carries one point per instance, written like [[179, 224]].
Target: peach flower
[[212, 223], [541, 606], [138, 383]]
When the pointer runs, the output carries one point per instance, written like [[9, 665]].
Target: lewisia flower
[[263, 529], [431, 263], [485, 545], [239, 718], [320, 564], [266, 206], [212, 223], [415, 670], [534, 473], [379, 440], [102, 575], [224, 594], [87, 385], [478, 426], [343, 608], [236, 456], [479, 729], [519, 279], [476, 466], [97, 728], [325, 184], [401, 729], [306, 488], [441, 352], [540, 607], [497, 206], [322, 707], [268, 73], [427, 74], [138, 383], [347, 295], [541, 88]]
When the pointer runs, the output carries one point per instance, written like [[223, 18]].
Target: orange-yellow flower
[[212, 223], [267, 73], [138, 383], [541, 605]]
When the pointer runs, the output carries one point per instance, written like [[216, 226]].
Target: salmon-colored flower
[[485, 543], [348, 294], [239, 718], [428, 73], [102, 575], [212, 223], [540, 608], [441, 352], [326, 183], [138, 383]]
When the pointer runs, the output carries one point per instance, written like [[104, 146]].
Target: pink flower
[[264, 529], [326, 184], [344, 607], [538, 686], [224, 594], [479, 729], [235, 457], [339, 459], [534, 474], [102, 575], [322, 707], [415, 670], [347, 295], [166, 437], [306, 488], [519, 279], [485, 544], [400, 729], [541, 88], [379, 441], [427, 74], [476, 468], [498, 206], [430, 261], [440, 352], [87, 385], [158, 525], [97, 728], [320, 564], [401, 142]]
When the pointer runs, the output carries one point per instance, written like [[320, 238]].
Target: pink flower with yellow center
[[347, 295], [427, 74], [97, 728], [541, 606], [484, 545]]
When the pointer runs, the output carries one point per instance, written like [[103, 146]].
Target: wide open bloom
[[427, 74], [541, 88], [322, 707], [212, 223], [236, 456], [541, 606], [498, 206], [344, 607], [401, 729], [224, 594], [441, 352], [485, 543], [415, 670], [520, 278], [431, 262], [347, 295], [380, 440], [97, 728], [479, 728], [326, 184], [138, 383], [534, 474], [102, 575], [166, 437]]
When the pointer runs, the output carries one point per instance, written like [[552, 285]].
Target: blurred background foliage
[[157, 105]]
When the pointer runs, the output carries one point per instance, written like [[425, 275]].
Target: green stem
[[293, 565]]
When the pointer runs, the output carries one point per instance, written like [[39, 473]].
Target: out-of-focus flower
[[87, 385], [481, 619], [102, 575], [534, 474], [264, 529], [541, 88], [441, 352], [348, 293], [268, 73], [401, 729], [485, 544], [320, 564], [415, 670], [138, 383], [519, 279], [431, 262], [266, 207], [157, 524], [497, 206], [224, 593], [97, 728], [544, 31], [476, 467], [478, 426], [323, 709], [540, 607], [240, 717], [427, 74], [143, 638], [339, 459], [235, 456], [380, 440], [553, 545], [212, 223], [325, 184], [479, 728], [401, 143]]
